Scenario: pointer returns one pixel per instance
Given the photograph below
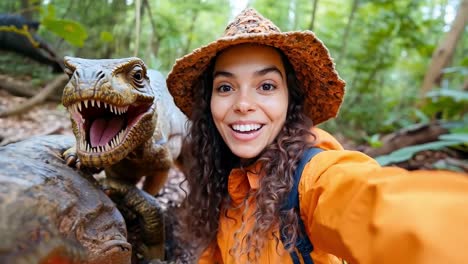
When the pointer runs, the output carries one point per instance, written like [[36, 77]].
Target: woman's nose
[[244, 103]]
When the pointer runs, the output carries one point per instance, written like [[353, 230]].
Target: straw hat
[[310, 59]]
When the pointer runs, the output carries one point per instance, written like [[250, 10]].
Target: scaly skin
[[125, 121], [124, 90]]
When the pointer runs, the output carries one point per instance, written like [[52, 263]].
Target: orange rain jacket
[[361, 212]]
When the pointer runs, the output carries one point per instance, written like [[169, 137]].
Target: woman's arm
[[357, 210]]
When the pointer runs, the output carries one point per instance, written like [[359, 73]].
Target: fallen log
[[418, 134], [56, 84]]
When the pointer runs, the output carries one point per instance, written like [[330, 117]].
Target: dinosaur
[[124, 120]]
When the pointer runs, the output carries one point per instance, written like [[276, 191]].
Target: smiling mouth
[[246, 128]]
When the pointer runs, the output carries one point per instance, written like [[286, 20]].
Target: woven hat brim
[[314, 67]]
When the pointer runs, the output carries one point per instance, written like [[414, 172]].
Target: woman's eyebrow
[[268, 70], [261, 72], [222, 73]]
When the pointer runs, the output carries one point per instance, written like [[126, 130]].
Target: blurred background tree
[[384, 49]]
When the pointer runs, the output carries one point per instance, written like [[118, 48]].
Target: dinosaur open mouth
[[103, 126]]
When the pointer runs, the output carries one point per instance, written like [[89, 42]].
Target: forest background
[[405, 61]]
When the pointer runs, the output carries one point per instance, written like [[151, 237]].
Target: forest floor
[[43, 119]]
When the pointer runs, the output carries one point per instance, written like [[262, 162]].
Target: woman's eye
[[267, 87], [224, 88]]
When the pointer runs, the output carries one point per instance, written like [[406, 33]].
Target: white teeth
[[246, 127], [118, 110], [85, 146]]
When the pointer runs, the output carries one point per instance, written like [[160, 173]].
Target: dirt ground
[[44, 119]]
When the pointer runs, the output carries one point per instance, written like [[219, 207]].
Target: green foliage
[[374, 141], [406, 153], [106, 36], [449, 103], [22, 67], [71, 31]]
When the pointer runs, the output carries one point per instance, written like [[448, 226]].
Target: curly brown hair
[[212, 161]]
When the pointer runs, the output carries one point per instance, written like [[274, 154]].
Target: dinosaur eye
[[138, 76]]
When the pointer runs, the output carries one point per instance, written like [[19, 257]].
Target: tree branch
[[57, 83]]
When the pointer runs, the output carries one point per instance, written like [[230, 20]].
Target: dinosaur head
[[111, 106]]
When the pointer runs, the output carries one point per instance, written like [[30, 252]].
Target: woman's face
[[249, 99]]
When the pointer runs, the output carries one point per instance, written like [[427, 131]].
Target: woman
[[253, 97]]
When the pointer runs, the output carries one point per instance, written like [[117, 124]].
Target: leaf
[[457, 69], [50, 12], [106, 36], [374, 141], [461, 137], [404, 154], [71, 31], [453, 94]]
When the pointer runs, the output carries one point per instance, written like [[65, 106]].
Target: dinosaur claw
[[71, 158], [78, 164]]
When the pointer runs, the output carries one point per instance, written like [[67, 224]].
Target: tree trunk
[[344, 41], [314, 11], [444, 52], [195, 14], [405, 137], [138, 10], [154, 41], [27, 9]]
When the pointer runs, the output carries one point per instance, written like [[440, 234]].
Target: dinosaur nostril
[[100, 75]]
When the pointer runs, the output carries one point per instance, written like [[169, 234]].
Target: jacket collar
[[243, 180]]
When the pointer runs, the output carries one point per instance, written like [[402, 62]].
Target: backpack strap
[[303, 244]]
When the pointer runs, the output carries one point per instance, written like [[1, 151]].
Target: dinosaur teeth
[[120, 136], [85, 146], [77, 107]]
